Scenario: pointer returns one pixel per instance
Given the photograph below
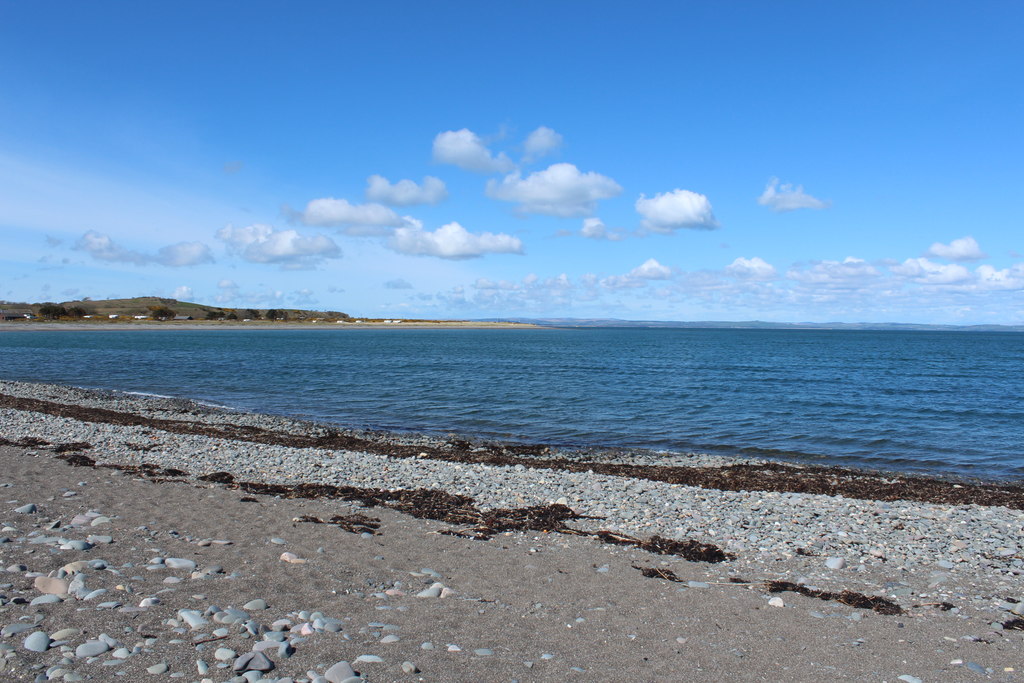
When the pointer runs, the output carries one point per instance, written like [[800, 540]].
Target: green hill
[[165, 308]]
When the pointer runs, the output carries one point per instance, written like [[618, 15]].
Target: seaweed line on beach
[[430, 504], [845, 597], [777, 477]]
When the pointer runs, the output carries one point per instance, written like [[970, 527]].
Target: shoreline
[[953, 570], [54, 326]]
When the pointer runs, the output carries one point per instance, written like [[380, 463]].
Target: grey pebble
[[158, 668], [91, 648], [179, 563], [253, 661], [223, 654], [835, 563], [26, 509], [37, 642], [339, 672]]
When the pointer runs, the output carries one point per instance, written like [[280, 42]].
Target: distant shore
[[34, 326]]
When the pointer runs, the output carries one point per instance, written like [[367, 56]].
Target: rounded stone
[[37, 642], [91, 648]]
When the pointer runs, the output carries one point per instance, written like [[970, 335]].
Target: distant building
[[183, 317], [140, 317], [113, 316], [16, 314]]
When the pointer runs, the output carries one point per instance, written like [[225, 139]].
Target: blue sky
[[777, 161]]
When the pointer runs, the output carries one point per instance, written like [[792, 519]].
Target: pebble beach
[[136, 543]]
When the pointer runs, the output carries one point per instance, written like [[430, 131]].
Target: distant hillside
[[164, 308]]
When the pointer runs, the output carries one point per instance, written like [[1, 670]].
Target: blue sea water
[[936, 402]]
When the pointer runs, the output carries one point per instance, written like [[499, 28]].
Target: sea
[[946, 403]]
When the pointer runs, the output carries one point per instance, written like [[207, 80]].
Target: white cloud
[[405, 192], [963, 249], [541, 142], [357, 219], [102, 248], [465, 149], [595, 229], [785, 197], [651, 270], [262, 244], [184, 254], [1007, 278], [849, 272], [505, 285], [452, 241], [751, 269], [923, 271], [670, 211], [559, 190], [182, 293]]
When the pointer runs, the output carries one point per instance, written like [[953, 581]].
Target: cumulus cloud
[[849, 272], [559, 190], [356, 219], [259, 243], [102, 248], [397, 283], [184, 254], [405, 192], [182, 293], [595, 229], [923, 271], [668, 211], [541, 142], [465, 149], [651, 270], [750, 269], [786, 197], [1007, 278], [963, 249], [451, 241]]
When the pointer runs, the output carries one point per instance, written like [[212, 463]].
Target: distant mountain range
[[754, 325]]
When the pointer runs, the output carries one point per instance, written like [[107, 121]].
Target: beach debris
[[217, 477], [355, 523], [292, 558], [689, 549], [659, 573], [849, 598], [767, 476]]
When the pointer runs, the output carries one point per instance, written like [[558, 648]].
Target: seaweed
[[1014, 625], [77, 460], [768, 476], [657, 573], [694, 551], [849, 598], [355, 523], [217, 477], [72, 447]]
